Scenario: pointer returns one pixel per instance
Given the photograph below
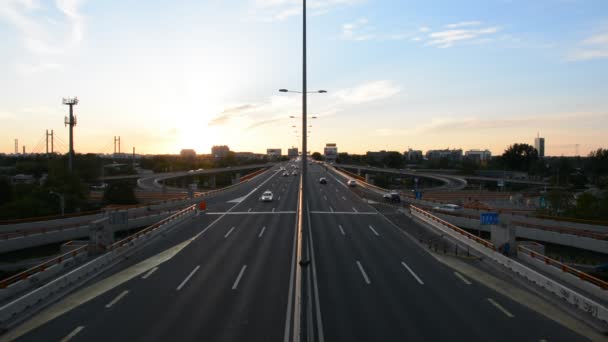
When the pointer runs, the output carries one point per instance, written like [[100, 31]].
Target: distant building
[[248, 155], [219, 151], [377, 156], [539, 145], [412, 155], [292, 152], [330, 152], [451, 155], [187, 153], [478, 155], [273, 153]]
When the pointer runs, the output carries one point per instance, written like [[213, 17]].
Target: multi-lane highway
[[232, 279]]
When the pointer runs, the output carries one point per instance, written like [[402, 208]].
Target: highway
[[233, 279]]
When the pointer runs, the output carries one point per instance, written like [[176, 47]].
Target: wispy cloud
[[41, 35], [358, 31], [284, 9], [594, 47], [368, 92], [469, 31]]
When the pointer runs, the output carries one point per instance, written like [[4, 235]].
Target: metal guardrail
[[455, 228], [40, 268], [568, 269]]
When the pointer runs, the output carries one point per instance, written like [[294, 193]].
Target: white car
[[285, 174], [266, 196], [351, 182], [295, 173]]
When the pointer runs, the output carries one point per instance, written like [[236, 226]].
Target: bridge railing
[[565, 268]]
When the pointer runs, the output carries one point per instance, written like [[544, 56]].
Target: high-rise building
[[539, 144], [413, 155], [331, 152], [292, 152], [220, 151]]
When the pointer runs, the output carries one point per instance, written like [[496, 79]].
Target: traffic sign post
[[488, 219]]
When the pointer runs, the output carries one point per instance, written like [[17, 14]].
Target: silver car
[[266, 196]]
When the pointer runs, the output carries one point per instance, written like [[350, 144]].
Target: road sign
[[488, 218], [418, 195], [542, 202]]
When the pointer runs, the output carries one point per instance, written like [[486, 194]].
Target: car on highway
[[322, 180], [351, 182], [448, 207], [294, 173], [266, 196], [285, 174], [392, 196]]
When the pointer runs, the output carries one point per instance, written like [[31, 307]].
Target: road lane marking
[[365, 277], [499, 307], [373, 230], [345, 212], [325, 197], [273, 210], [279, 198], [230, 231], [179, 287], [149, 273], [341, 230], [336, 190], [331, 209], [355, 210], [115, 300], [238, 278], [72, 334], [252, 213], [412, 273], [465, 280], [262, 232], [249, 210], [344, 198]]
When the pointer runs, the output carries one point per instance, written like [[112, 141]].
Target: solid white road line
[[499, 307], [145, 276], [230, 231], [254, 213], [341, 230], [72, 334], [262, 232], [355, 210], [465, 280], [412, 273], [345, 212], [321, 337], [373, 230], [115, 300], [179, 287], [365, 277], [238, 278]]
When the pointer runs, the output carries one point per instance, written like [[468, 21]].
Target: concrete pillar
[[101, 235], [369, 178], [236, 179], [212, 183], [359, 172], [503, 237]]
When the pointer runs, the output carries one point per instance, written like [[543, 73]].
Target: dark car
[[322, 180], [392, 196]]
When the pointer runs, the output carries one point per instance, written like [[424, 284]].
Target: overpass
[[332, 269]]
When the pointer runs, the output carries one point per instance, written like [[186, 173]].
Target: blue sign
[[418, 195], [488, 218]]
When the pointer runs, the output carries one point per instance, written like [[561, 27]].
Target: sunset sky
[[166, 75]]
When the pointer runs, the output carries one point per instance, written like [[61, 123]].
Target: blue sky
[[166, 75]]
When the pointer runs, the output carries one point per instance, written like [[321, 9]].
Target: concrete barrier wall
[[44, 295], [67, 234], [563, 276], [583, 303]]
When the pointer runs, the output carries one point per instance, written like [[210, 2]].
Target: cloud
[[231, 112], [463, 24], [357, 31], [42, 36], [368, 92], [279, 10], [594, 47], [457, 33], [424, 29]]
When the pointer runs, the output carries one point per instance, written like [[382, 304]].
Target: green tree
[[317, 156], [394, 160], [120, 192], [520, 157], [6, 190]]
